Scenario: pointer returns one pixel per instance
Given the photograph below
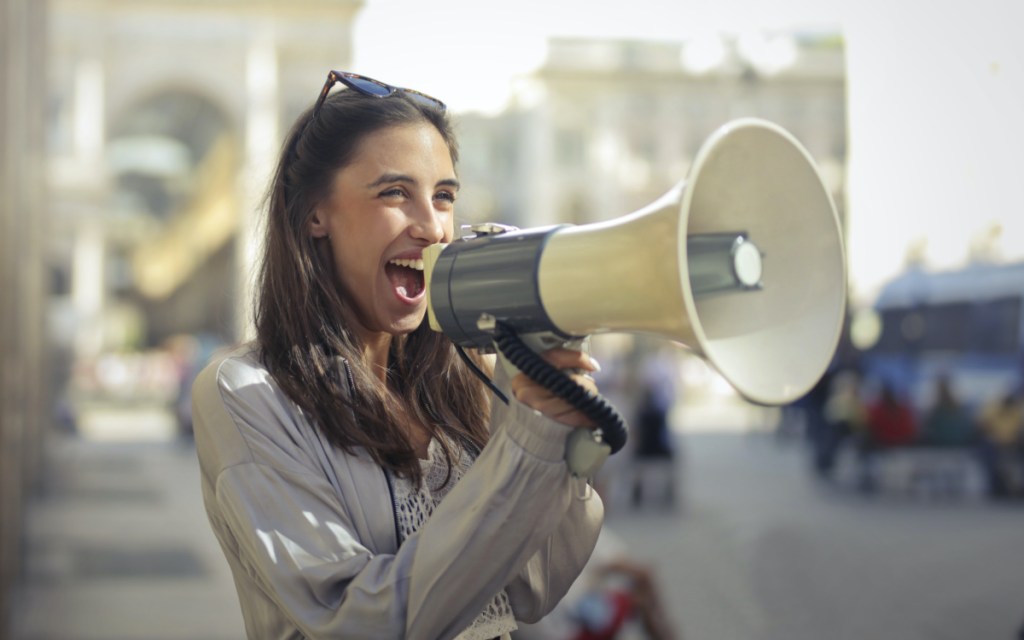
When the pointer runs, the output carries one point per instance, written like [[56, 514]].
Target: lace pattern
[[414, 505]]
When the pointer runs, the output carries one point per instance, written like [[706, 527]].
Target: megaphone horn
[[743, 263]]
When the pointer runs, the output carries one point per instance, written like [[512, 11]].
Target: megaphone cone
[[743, 264]]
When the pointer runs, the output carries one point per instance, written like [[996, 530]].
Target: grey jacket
[[309, 530]]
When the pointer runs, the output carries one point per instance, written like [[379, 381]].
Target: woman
[[326, 445]]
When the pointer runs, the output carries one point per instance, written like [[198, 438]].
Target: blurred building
[[136, 139], [606, 126], [23, 282], [164, 119]]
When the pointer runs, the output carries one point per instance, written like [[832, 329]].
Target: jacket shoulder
[[238, 410]]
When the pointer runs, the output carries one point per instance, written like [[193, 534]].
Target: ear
[[318, 225]]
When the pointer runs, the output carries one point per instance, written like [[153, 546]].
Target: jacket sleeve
[[514, 520], [532, 533], [546, 577]]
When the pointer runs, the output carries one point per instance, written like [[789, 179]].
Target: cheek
[[362, 263], [351, 265], [359, 252]]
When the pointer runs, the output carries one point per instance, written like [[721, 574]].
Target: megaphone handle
[[608, 420]]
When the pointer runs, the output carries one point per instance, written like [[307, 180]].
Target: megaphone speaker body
[[642, 273]]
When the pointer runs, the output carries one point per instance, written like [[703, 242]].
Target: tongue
[[407, 282]]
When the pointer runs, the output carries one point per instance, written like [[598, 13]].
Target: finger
[[521, 381], [543, 400], [562, 358], [535, 396], [575, 419], [560, 411], [586, 382], [552, 406]]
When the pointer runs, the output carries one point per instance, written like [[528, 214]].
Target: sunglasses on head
[[371, 87]]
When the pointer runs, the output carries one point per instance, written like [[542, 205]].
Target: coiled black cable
[[605, 416]]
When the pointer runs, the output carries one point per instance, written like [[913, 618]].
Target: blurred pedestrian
[[890, 420], [616, 596], [184, 352], [889, 423], [842, 416], [654, 453], [654, 450], [806, 414], [946, 425], [358, 479], [947, 422], [1000, 424]]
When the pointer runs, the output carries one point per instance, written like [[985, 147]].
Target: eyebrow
[[399, 177]]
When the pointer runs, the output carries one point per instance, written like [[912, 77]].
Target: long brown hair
[[303, 321]]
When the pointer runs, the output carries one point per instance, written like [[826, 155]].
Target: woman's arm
[[296, 541], [549, 573]]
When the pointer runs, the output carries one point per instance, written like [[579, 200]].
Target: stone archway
[[174, 161]]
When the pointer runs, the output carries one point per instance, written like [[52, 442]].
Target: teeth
[[410, 264]]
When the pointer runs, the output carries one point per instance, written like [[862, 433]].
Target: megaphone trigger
[[585, 449], [611, 428]]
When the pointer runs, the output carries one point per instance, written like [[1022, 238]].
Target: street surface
[[760, 550], [119, 549]]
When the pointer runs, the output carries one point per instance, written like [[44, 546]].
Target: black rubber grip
[[605, 416]]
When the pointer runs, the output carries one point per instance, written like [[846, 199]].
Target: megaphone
[[743, 263]]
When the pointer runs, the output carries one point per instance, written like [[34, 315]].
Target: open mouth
[[406, 277]]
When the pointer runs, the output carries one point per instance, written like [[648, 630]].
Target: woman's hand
[[540, 399]]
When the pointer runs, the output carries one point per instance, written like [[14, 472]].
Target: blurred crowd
[[131, 379], [846, 412]]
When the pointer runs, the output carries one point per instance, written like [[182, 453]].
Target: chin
[[408, 324]]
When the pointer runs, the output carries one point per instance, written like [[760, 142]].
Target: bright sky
[[936, 92], [466, 51]]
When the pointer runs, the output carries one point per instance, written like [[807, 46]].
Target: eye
[[394, 192], [448, 196]]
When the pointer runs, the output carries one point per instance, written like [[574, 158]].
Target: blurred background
[[137, 138]]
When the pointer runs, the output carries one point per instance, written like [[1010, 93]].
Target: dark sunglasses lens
[[425, 99], [369, 86]]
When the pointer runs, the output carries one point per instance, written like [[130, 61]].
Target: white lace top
[[414, 505]]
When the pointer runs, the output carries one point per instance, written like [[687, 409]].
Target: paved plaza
[[119, 549]]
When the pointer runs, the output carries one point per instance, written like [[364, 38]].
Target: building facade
[[23, 285], [606, 126], [165, 118], [136, 139]]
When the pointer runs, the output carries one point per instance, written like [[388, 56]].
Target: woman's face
[[396, 197]]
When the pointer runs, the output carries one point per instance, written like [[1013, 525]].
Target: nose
[[426, 224]]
